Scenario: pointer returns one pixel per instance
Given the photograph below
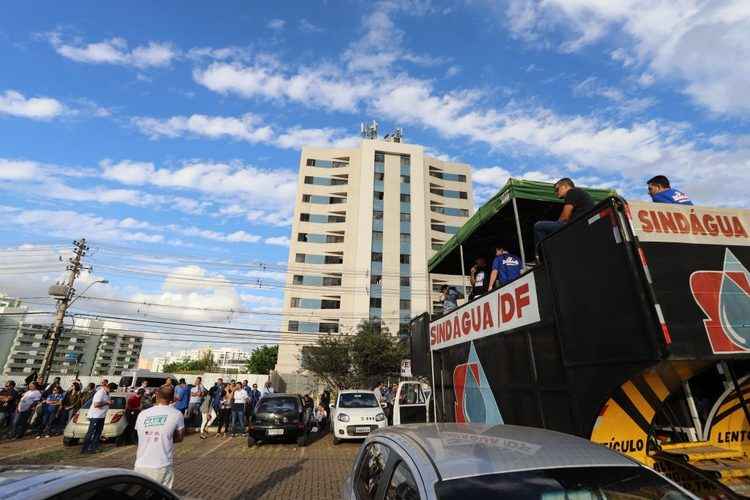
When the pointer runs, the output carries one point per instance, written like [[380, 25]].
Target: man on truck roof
[[661, 192], [577, 201]]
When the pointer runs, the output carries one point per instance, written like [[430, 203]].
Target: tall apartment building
[[366, 221], [98, 350]]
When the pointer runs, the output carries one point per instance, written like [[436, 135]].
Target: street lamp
[[103, 282]]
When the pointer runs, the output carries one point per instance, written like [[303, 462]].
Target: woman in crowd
[[225, 411], [207, 416]]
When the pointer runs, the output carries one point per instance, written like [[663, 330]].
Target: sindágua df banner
[[512, 306]]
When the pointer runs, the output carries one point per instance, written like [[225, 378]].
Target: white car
[[356, 414], [114, 422]]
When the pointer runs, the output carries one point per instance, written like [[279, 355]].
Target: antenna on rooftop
[[369, 130], [395, 136]]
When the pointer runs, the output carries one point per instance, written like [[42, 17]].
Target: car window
[[358, 400], [595, 483], [402, 485], [274, 405], [116, 489], [118, 403], [370, 470], [411, 394]]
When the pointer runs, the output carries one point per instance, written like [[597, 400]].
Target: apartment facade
[[86, 349], [366, 221]]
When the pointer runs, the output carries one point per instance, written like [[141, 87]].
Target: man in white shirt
[[197, 393], [96, 415], [267, 390], [159, 428], [24, 410]]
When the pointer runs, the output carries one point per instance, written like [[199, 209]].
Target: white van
[[132, 379]]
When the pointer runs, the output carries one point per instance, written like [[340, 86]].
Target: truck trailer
[[632, 331]]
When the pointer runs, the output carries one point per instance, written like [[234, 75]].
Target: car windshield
[[589, 483], [118, 403], [275, 405], [358, 400]]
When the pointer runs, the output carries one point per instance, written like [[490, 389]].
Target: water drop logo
[[474, 400], [724, 297]]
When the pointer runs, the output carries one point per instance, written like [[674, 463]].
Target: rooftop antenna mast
[[395, 136], [369, 130]]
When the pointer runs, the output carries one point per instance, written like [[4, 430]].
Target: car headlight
[[342, 417], [380, 417]]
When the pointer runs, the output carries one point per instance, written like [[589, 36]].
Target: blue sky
[[168, 134]]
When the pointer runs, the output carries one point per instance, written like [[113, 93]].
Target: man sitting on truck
[[577, 201], [505, 268], [662, 192]]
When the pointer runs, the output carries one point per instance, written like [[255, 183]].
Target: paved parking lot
[[217, 468]]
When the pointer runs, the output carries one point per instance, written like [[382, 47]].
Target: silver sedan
[[467, 461]]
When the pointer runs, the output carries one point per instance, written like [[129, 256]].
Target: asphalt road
[[217, 468]]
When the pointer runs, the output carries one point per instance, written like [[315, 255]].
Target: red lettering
[[725, 225], [739, 230], [522, 298], [487, 316], [666, 219], [466, 323], [682, 223], [457, 325], [646, 226], [476, 318], [506, 308], [448, 330], [710, 225], [695, 224], [432, 335], [655, 220]]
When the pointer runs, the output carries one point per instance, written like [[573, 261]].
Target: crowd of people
[[506, 267]]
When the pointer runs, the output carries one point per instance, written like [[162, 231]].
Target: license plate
[[275, 432], [360, 430]]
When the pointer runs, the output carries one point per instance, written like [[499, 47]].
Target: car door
[[411, 405], [386, 472], [117, 488]]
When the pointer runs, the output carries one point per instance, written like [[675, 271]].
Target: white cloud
[[115, 51], [703, 44], [306, 26], [282, 241], [18, 170], [247, 128], [37, 108], [276, 24]]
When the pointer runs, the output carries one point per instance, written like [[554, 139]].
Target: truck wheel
[[302, 441], [70, 441], [251, 442]]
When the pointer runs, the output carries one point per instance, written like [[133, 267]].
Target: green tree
[[263, 359], [359, 360], [203, 364]]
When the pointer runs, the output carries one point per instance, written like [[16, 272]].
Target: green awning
[[514, 188]]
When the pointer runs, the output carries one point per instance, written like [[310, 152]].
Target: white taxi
[[356, 414]]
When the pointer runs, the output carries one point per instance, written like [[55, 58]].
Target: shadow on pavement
[[271, 481]]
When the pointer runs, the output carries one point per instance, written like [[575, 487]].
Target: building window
[[375, 303], [377, 214], [328, 328], [377, 257], [436, 245], [379, 176], [405, 179], [448, 177], [376, 279], [333, 259], [405, 238], [455, 212], [330, 304], [404, 258], [378, 195], [331, 281], [322, 200], [448, 193], [405, 281], [405, 197], [379, 157], [404, 304], [377, 235], [445, 229], [325, 181], [321, 218], [405, 217], [405, 161], [326, 163]]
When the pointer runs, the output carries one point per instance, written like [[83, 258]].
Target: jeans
[[238, 417], [91, 441], [544, 228], [20, 422], [50, 416], [192, 415]]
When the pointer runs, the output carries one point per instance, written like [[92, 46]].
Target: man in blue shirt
[[662, 192], [182, 394], [505, 268]]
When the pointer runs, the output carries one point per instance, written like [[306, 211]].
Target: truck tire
[[70, 441]]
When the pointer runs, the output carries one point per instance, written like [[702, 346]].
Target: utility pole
[[63, 293]]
